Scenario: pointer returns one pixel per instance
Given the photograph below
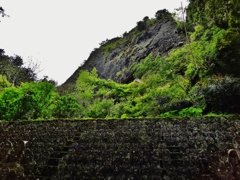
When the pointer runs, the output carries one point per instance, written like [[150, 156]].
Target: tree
[[160, 14], [2, 12], [84, 89], [2, 52], [15, 71], [141, 25], [146, 18], [100, 108], [17, 60]]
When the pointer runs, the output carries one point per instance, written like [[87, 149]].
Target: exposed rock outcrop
[[114, 62]]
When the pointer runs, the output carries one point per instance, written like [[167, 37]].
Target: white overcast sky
[[60, 34]]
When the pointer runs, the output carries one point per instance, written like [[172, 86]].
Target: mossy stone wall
[[193, 148]]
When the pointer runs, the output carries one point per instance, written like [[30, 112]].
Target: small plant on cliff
[[164, 13]]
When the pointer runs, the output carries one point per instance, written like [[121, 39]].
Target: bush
[[100, 108], [65, 107], [30, 101], [10, 104]]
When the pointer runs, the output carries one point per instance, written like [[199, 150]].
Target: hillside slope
[[151, 71], [114, 57], [172, 76]]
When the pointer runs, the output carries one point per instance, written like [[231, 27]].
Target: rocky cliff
[[113, 58]]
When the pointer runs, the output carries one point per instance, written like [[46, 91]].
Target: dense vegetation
[[198, 78], [22, 96]]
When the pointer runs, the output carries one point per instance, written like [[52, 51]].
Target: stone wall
[[199, 148]]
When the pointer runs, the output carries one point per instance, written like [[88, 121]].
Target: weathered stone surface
[[158, 39], [199, 148]]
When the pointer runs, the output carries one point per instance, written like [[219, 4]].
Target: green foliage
[[186, 112], [218, 23], [148, 66], [137, 99], [198, 32], [201, 76], [65, 107], [169, 114], [170, 98], [3, 82], [167, 86], [180, 26], [30, 101], [221, 13], [229, 53], [190, 112], [10, 103], [143, 66], [108, 98], [198, 58], [109, 45], [85, 85], [124, 116], [100, 108]]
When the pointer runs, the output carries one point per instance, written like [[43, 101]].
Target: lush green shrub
[[221, 13], [10, 103], [30, 101], [65, 107], [149, 65], [100, 108], [38, 98]]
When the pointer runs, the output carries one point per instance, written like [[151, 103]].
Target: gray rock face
[[115, 64]]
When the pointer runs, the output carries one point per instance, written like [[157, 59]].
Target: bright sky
[[60, 34]]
